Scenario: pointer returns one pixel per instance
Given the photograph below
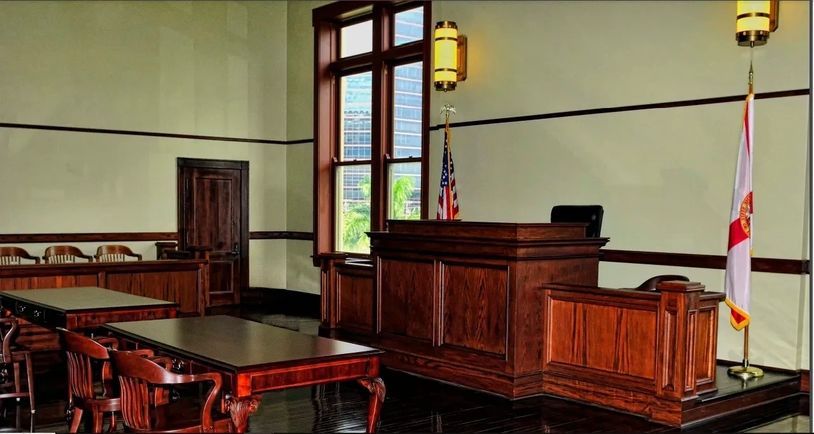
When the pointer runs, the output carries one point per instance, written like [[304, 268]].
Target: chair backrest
[[63, 255], [138, 378], [591, 214], [13, 255], [114, 253], [87, 359], [8, 333], [650, 284]]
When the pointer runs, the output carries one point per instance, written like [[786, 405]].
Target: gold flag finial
[[446, 110]]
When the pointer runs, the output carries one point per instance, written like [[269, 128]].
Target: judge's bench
[[514, 310]]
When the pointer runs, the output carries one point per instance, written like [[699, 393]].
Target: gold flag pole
[[446, 110], [746, 372]]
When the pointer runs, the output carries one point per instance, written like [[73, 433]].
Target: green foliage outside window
[[356, 221]]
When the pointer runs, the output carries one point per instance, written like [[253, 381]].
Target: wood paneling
[[705, 357], [407, 296], [181, 281], [603, 337], [460, 301], [638, 351], [474, 305], [160, 285], [355, 301]]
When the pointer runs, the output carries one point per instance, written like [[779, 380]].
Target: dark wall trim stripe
[[299, 141], [627, 108], [87, 237], [525, 118], [765, 265], [150, 134], [281, 235]]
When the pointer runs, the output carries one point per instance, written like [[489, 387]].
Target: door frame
[[183, 207]]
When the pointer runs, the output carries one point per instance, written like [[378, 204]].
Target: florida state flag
[[739, 257]]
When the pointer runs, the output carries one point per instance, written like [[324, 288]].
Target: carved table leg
[[375, 386], [240, 409]]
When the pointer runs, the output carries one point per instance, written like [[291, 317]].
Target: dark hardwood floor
[[415, 404]]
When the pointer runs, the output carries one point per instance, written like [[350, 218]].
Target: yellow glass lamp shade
[[756, 19], [445, 73]]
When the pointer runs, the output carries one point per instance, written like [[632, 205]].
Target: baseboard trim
[[285, 301]]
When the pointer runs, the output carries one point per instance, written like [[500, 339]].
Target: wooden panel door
[[213, 214]]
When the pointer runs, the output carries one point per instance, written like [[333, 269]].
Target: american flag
[[447, 194]]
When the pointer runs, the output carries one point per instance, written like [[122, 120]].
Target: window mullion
[[380, 103]]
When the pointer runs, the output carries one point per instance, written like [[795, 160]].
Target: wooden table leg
[[240, 409], [375, 386]]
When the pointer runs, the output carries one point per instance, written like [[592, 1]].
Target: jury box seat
[[64, 254]]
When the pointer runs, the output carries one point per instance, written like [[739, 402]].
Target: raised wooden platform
[[735, 395], [735, 404]]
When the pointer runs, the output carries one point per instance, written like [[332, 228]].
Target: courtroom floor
[[415, 404]]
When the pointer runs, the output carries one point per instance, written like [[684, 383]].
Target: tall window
[[371, 121]]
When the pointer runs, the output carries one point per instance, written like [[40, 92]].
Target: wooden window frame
[[328, 69]]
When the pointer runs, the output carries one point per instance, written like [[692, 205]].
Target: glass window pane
[[355, 138], [356, 39], [353, 208], [404, 197], [409, 26], [407, 110]]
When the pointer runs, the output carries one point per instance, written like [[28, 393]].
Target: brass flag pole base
[[745, 372]]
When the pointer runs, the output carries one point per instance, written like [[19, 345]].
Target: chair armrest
[[9, 337], [27, 256], [160, 395], [107, 341], [137, 255], [206, 411], [144, 352], [164, 361]]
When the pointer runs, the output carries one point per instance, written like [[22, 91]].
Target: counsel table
[[256, 358], [83, 307]]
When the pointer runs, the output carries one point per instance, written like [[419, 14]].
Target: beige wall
[[664, 176], [205, 68], [301, 274]]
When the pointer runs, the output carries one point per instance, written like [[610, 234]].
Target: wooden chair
[[13, 357], [13, 256], [114, 253], [139, 378], [90, 380], [63, 255]]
